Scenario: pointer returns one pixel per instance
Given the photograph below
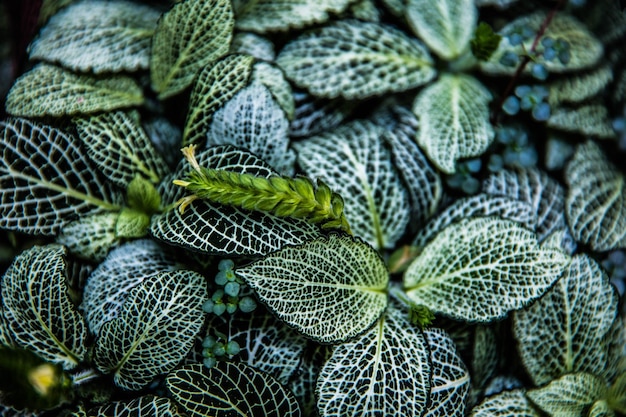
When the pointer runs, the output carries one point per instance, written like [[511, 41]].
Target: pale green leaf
[[124, 268], [385, 371], [215, 85], [146, 406], [446, 26], [120, 147], [569, 395], [96, 36], [356, 60], [585, 49], [596, 199], [47, 90], [580, 87], [506, 404], [188, 37], [132, 224], [273, 78], [154, 330], [600, 409], [354, 161], [38, 312], [588, 120], [480, 269], [230, 389], [315, 115], [567, 329], [280, 15], [330, 289], [91, 236], [454, 120], [365, 10], [254, 45], [47, 179]]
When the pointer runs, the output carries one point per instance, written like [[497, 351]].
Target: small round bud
[[226, 265], [247, 304], [219, 349], [232, 348], [209, 341], [219, 309], [217, 295], [232, 289], [220, 278], [207, 307], [209, 362], [231, 308]]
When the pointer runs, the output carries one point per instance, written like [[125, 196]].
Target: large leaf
[[355, 60], [569, 395], [47, 90], [446, 26], [330, 289], [454, 120], [38, 311], [229, 389], [47, 179], [120, 147], [480, 269], [589, 120], [154, 330], [146, 406], [101, 37], [274, 79], [506, 404], [355, 163], [188, 37], [596, 199], [567, 329], [90, 237], [385, 371]]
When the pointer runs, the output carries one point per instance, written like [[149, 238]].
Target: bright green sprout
[[421, 315], [485, 42], [283, 197]]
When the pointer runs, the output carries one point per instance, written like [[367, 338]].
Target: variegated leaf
[[506, 404], [146, 406], [589, 120], [569, 395], [580, 87], [254, 45], [315, 115], [90, 237], [273, 78]]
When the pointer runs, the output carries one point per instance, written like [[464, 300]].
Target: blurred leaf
[[47, 90], [365, 10], [37, 309], [588, 120], [100, 37], [142, 195], [446, 26], [385, 371], [355, 163], [315, 115], [132, 224], [47, 179], [273, 78], [485, 41], [480, 269], [454, 120], [596, 199], [230, 388], [154, 330], [254, 45], [356, 60], [91, 236], [146, 406], [501, 4], [580, 87], [330, 289], [600, 409], [188, 37], [506, 404]]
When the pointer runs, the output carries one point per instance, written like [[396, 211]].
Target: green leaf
[[580, 87], [154, 330], [485, 42], [355, 163], [506, 404], [454, 122], [356, 60], [230, 388], [132, 224], [596, 199], [215, 85], [254, 45], [385, 371], [446, 26], [480, 269], [47, 179], [188, 37], [600, 409], [315, 115], [569, 395], [617, 394], [99, 37], [142, 196], [47, 90], [91, 236], [589, 120], [280, 15], [330, 289], [273, 78], [146, 406], [304, 380], [120, 147], [567, 329], [37, 309]]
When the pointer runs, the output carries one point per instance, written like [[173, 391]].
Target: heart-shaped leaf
[[38, 311], [454, 122], [154, 330], [355, 60], [330, 289], [146, 406], [230, 388], [506, 404], [385, 371], [480, 269]]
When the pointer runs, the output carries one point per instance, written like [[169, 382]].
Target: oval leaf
[[356, 60], [454, 120], [330, 289], [480, 269]]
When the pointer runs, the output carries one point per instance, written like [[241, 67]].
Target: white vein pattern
[[569, 395], [146, 406], [506, 404]]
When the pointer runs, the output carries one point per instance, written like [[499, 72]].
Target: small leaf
[[91, 236], [330, 289], [356, 60], [454, 120], [146, 406], [589, 120], [580, 87], [188, 37], [446, 26], [132, 224], [480, 269], [47, 90], [37, 309], [506, 404], [99, 37], [596, 199], [154, 330], [142, 196], [485, 42], [230, 388], [385, 371]]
